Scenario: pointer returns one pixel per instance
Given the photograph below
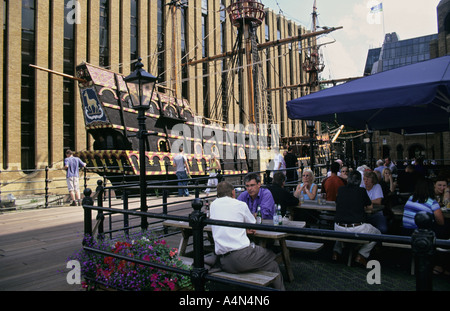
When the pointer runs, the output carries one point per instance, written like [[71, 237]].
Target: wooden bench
[[303, 246], [261, 278], [344, 240]]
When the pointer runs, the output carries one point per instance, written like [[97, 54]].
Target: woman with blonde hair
[[307, 189]]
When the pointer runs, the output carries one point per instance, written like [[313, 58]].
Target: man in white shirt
[[232, 245], [278, 163]]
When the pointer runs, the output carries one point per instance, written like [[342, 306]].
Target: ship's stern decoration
[[112, 122], [93, 111]]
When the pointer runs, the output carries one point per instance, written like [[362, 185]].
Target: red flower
[[109, 261]]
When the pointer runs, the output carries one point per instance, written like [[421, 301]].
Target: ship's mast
[[247, 16], [313, 65]]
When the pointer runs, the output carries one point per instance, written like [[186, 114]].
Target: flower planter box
[[106, 272]]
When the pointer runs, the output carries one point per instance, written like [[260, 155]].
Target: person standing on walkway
[[182, 171], [72, 165], [232, 245], [291, 162]]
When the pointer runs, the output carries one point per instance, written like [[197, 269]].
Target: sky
[[346, 57]]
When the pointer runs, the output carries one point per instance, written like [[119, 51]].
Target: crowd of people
[[355, 192]]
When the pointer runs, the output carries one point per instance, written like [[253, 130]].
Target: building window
[[161, 41], [104, 33], [184, 59], [5, 55], [223, 25], [223, 28], [133, 32], [28, 86], [69, 84], [205, 54]]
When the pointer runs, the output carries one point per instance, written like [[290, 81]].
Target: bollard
[[423, 248], [87, 201], [196, 221]]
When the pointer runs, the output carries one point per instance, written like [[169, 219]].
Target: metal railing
[[42, 182], [423, 242]]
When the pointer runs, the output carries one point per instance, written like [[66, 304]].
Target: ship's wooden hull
[[112, 122]]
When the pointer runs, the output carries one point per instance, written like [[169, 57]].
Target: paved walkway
[[35, 245]]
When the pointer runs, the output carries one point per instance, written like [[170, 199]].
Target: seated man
[[280, 194], [330, 185], [351, 204], [256, 196], [232, 245]]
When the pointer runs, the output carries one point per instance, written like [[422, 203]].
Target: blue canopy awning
[[413, 98]]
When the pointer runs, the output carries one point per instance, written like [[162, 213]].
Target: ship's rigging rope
[[231, 66]]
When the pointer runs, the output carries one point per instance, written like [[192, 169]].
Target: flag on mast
[[377, 8]]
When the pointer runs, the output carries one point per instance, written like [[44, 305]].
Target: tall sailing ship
[[112, 121]]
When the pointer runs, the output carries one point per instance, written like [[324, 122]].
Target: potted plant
[[109, 272]]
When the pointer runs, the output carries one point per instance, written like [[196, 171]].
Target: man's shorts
[[73, 183]]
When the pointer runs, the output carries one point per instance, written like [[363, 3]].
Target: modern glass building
[[393, 54], [397, 53]]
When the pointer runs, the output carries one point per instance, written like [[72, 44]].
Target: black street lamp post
[[311, 127], [141, 86]]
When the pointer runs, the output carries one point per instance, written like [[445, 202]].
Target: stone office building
[[41, 113]]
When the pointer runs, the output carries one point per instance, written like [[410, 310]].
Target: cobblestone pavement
[[316, 272]]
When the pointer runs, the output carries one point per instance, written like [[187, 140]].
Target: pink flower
[[171, 285]]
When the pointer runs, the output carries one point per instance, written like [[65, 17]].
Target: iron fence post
[[196, 222], [197, 191], [423, 248], [46, 187], [100, 217], [164, 201], [125, 208], [86, 202]]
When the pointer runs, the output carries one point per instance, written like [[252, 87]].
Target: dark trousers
[[251, 258]]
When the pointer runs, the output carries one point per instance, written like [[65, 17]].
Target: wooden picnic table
[[262, 237], [398, 211], [324, 213], [330, 206]]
